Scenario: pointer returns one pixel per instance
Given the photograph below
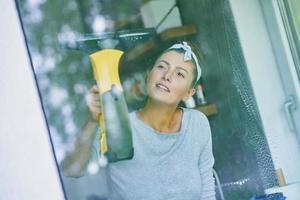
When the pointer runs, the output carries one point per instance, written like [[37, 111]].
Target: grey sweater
[[175, 166]]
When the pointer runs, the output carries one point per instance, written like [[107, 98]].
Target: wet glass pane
[[62, 34]]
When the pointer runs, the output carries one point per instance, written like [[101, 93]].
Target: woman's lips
[[162, 87]]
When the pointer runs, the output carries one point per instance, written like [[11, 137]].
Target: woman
[[173, 151]]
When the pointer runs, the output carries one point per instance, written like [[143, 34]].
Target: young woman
[[172, 145]]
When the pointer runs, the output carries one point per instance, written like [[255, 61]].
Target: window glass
[[55, 31]]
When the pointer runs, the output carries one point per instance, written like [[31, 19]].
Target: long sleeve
[[206, 163]]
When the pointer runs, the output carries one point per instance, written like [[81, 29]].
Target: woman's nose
[[167, 75]]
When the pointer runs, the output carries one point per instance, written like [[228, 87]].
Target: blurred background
[[249, 90]]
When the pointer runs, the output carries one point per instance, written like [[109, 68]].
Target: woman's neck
[[163, 118]]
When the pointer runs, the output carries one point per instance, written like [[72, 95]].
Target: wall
[[27, 165]]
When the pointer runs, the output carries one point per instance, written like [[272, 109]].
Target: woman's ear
[[190, 93]]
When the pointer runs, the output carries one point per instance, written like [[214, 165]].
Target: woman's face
[[170, 79]]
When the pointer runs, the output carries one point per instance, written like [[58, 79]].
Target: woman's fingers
[[93, 101], [96, 104], [95, 89], [92, 96]]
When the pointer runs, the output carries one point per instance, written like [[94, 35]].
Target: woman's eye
[[160, 66], [180, 74]]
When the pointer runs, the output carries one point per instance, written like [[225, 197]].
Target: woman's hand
[[93, 102]]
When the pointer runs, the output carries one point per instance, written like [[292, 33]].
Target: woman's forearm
[[75, 163]]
